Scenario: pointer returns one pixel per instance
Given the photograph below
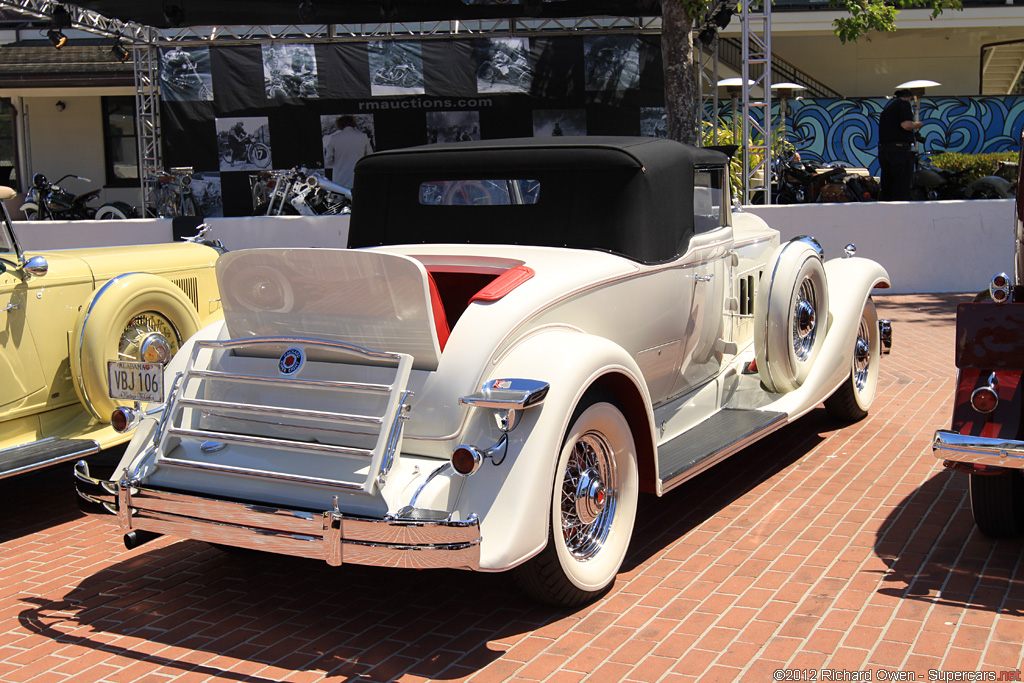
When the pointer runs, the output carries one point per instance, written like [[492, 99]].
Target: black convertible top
[[631, 196]]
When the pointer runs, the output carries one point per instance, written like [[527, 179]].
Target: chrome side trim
[[978, 450]]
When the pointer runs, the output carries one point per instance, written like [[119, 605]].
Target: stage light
[[307, 12], [723, 17], [120, 51], [60, 18], [388, 9], [532, 8], [174, 13], [57, 38]]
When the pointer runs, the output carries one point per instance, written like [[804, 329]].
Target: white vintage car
[[523, 336]]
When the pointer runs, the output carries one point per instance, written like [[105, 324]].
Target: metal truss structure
[[146, 43], [756, 19]]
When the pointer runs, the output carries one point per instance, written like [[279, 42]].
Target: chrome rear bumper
[[328, 535], [978, 450]]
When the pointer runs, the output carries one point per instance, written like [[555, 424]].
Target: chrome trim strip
[[978, 450], [81, 341], [729, 449], [88, 447], [394, 435], [328, 536], [213, 406], [336, 345], [251, 472], [288, 381]]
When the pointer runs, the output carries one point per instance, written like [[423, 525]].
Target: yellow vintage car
[[83, 331]]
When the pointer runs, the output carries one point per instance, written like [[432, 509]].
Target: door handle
[[10, 307], [703, 278]]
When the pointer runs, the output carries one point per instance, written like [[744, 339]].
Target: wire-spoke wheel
[[593, 507], [852, 400]]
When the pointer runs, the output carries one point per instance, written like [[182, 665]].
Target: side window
[[119, 142], [709, 209]]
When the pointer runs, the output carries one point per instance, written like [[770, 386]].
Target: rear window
[[479, 192], [708, 199]]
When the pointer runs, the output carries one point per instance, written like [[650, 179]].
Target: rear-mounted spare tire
[[117, 315]]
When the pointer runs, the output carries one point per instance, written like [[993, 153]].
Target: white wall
[[236, 233], [954, 246], [946, 49], [71, 141]]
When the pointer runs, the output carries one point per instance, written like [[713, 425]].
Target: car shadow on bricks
[[216, 608], [662, 522], [936, 555]]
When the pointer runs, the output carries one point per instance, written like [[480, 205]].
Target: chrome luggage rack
[[367, 466]]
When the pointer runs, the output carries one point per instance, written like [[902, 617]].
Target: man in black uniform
[[896, 128]]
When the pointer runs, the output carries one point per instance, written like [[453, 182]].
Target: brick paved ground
[[824, 547]]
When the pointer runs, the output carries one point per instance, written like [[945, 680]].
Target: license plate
[[135, 381]]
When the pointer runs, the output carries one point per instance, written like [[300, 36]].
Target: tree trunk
[[681, 101]]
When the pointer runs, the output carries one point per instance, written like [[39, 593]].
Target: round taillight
[[466, 460], [122, 420], [984, 399], [1000, 289]]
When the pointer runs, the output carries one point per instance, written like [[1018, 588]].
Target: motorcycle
[[254, 152], [932, 183], [298, 192], [797, 182], [401, 74], [48, 201], [505, 71]]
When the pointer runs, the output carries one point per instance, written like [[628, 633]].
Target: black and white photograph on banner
[[243, 143], [611, 64], [453, 126], [346, 138], [504, 66], [185, 75], [290, 73], [363, 122], [206, 190], [555, 122], [396, 67], [653, 122]]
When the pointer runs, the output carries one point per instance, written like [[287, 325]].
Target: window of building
[[8, 167], [120, 142]]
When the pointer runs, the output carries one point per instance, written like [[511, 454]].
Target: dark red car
[[987, 436]]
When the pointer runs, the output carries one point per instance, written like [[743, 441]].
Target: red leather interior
[[440, 319]]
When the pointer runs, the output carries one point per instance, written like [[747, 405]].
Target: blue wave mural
[[847, 130], [824, 130]]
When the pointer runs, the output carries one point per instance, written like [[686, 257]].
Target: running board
[[39, 454], [713, 440]]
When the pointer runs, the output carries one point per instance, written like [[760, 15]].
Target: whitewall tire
[[853, 399], [593, 508], [790, 316]]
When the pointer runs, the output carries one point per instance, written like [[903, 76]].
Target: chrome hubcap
[[148, 337], [861, 356], [805, 324], [588, 496]]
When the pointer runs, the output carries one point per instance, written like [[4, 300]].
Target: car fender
[[512, 499], [850, 283]]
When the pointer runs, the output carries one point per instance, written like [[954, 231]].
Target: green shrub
[[975, 165]]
